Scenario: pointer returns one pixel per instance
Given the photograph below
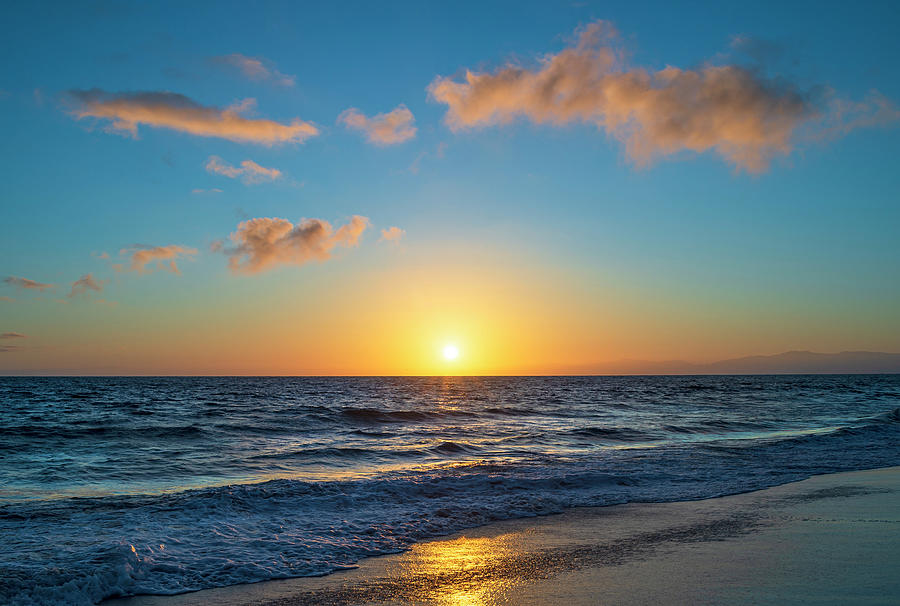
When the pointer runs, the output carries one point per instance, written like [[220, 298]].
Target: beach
[[830, 539]]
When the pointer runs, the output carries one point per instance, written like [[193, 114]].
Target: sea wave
[[121, 486], [82, 550]]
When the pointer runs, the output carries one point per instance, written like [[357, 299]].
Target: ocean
[[151, 485]]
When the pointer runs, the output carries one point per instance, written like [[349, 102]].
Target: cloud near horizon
[[391, 128], [392, 235], [731, 110], [85, 283], [258, 69], [26, 283], [263, 243], [12, 335], [163, 256], [177, 112], [249, 171]]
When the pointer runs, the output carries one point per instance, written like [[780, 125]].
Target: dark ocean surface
[[118, 486]]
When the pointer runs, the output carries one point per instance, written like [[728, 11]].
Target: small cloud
[[85, 283], [264, 243], [105, 302], [392, 235], [393, 127], [258, 69], [7, 299], [9, 348], [103, 255], [214, 190], [126, 111], [26, 283], [249, 171], [12, 335], [164, 256]]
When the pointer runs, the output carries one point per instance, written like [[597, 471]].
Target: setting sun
[[451, 352]]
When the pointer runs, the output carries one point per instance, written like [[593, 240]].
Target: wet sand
[[832, 539]]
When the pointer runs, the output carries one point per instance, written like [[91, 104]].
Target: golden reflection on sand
[[455, 570]]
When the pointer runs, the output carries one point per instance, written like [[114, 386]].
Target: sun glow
[[451, 352]]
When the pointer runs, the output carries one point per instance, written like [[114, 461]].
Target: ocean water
[[120, 486]]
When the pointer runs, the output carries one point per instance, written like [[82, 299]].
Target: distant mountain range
[[790, 362]]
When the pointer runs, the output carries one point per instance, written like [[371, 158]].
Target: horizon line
[[376, 376]]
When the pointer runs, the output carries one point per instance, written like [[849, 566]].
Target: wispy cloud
[[391, 128], [845, 116], [392, 235], [26, 283], [734, 111], [126, 111], [264, 243], [164, 257], [85, 283], [258, 69], [214, 190], [12, 335], [7, 299], [439, 151], [249, 171], [9, 348]]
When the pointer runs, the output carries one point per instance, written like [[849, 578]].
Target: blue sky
[[806, 250]]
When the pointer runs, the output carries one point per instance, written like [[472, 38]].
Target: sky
[[348, 188]]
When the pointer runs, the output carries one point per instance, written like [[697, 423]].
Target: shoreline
[[831, 538]]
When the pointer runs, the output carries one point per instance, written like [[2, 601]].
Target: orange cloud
[[26, 283], [392, 234], [12, 335], [250, 172], [85, 283], [255, 68], [731, 110], [141, 256], [177, 112], [393, 127], [263, 243]]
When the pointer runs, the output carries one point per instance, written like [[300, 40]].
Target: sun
[[451, 352]]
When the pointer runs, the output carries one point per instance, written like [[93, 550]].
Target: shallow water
[[116, 486]]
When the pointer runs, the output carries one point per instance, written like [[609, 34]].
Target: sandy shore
[[832, 539]]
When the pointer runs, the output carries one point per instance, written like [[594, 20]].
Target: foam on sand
[[830, 539]]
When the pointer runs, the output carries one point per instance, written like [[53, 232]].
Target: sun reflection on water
[[463, 571]]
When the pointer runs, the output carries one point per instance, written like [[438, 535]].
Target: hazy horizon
[[875, 363]]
